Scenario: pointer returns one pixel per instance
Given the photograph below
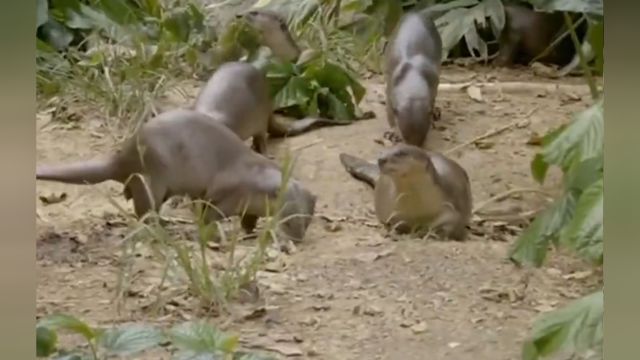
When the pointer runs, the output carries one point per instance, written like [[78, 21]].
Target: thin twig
[[310, 144], [507, 194], [491, 133]]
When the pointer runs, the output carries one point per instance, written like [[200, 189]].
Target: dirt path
[[349, 292]]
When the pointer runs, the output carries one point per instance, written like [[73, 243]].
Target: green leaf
[[119, 11], [531, 246], [178, 25], [42, 12], [581, 6], [297, 91], [585, 231], [337, 109], [200, 337], [539, 166], [129, 340], [334, 77], [582, 139], [46, 341], [583, 174], [56, 34], [68, 323], [575, 327]]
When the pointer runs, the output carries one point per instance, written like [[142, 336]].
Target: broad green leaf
[[129, 340], [583, 174], [278, 75], [56, 34], [386, 13], [531, 246], [539, 166], [576, 327], [581, 6], [585, 231], [119, 11], [452, 27], [178, 25], [297, 91], [46, 341], [582, 139], [68, 323], [42, 12], [333, 77], [337, 109], [200, 337]]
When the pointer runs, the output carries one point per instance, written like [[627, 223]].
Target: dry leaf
[[285, 349], [578, 275], [419, 328], [475, 93]]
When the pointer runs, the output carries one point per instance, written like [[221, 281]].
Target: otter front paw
[[392, 136]]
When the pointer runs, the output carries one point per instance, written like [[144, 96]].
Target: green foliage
[[578, 327], [119, 55], [192, 340], [576, 218], [315, 87]]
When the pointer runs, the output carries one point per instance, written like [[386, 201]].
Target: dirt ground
[[349, 291]]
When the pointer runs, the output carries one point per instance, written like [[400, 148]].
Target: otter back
[[412, 72], [237, 94]]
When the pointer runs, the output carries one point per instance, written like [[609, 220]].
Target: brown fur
[[416, 189], [527, 33], [187, 153]]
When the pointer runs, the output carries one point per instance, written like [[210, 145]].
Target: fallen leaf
[[475, 93], [285, 349], [419, 328], [53, 198], [453, 345], [578, 275], [534, 139]]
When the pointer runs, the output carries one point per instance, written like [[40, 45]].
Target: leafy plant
[[122, 340], [191, 340], [316, 87], [575, 219], [574, 328], [119, 55]]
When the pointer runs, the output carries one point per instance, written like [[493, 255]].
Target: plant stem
[[583, 61]]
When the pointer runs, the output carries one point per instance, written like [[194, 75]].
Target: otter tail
[[281, 127], [82, 172], [360, 169]]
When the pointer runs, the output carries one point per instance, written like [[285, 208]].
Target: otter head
[[413, 117], [274, 32], [404, 160], [297, 211]]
